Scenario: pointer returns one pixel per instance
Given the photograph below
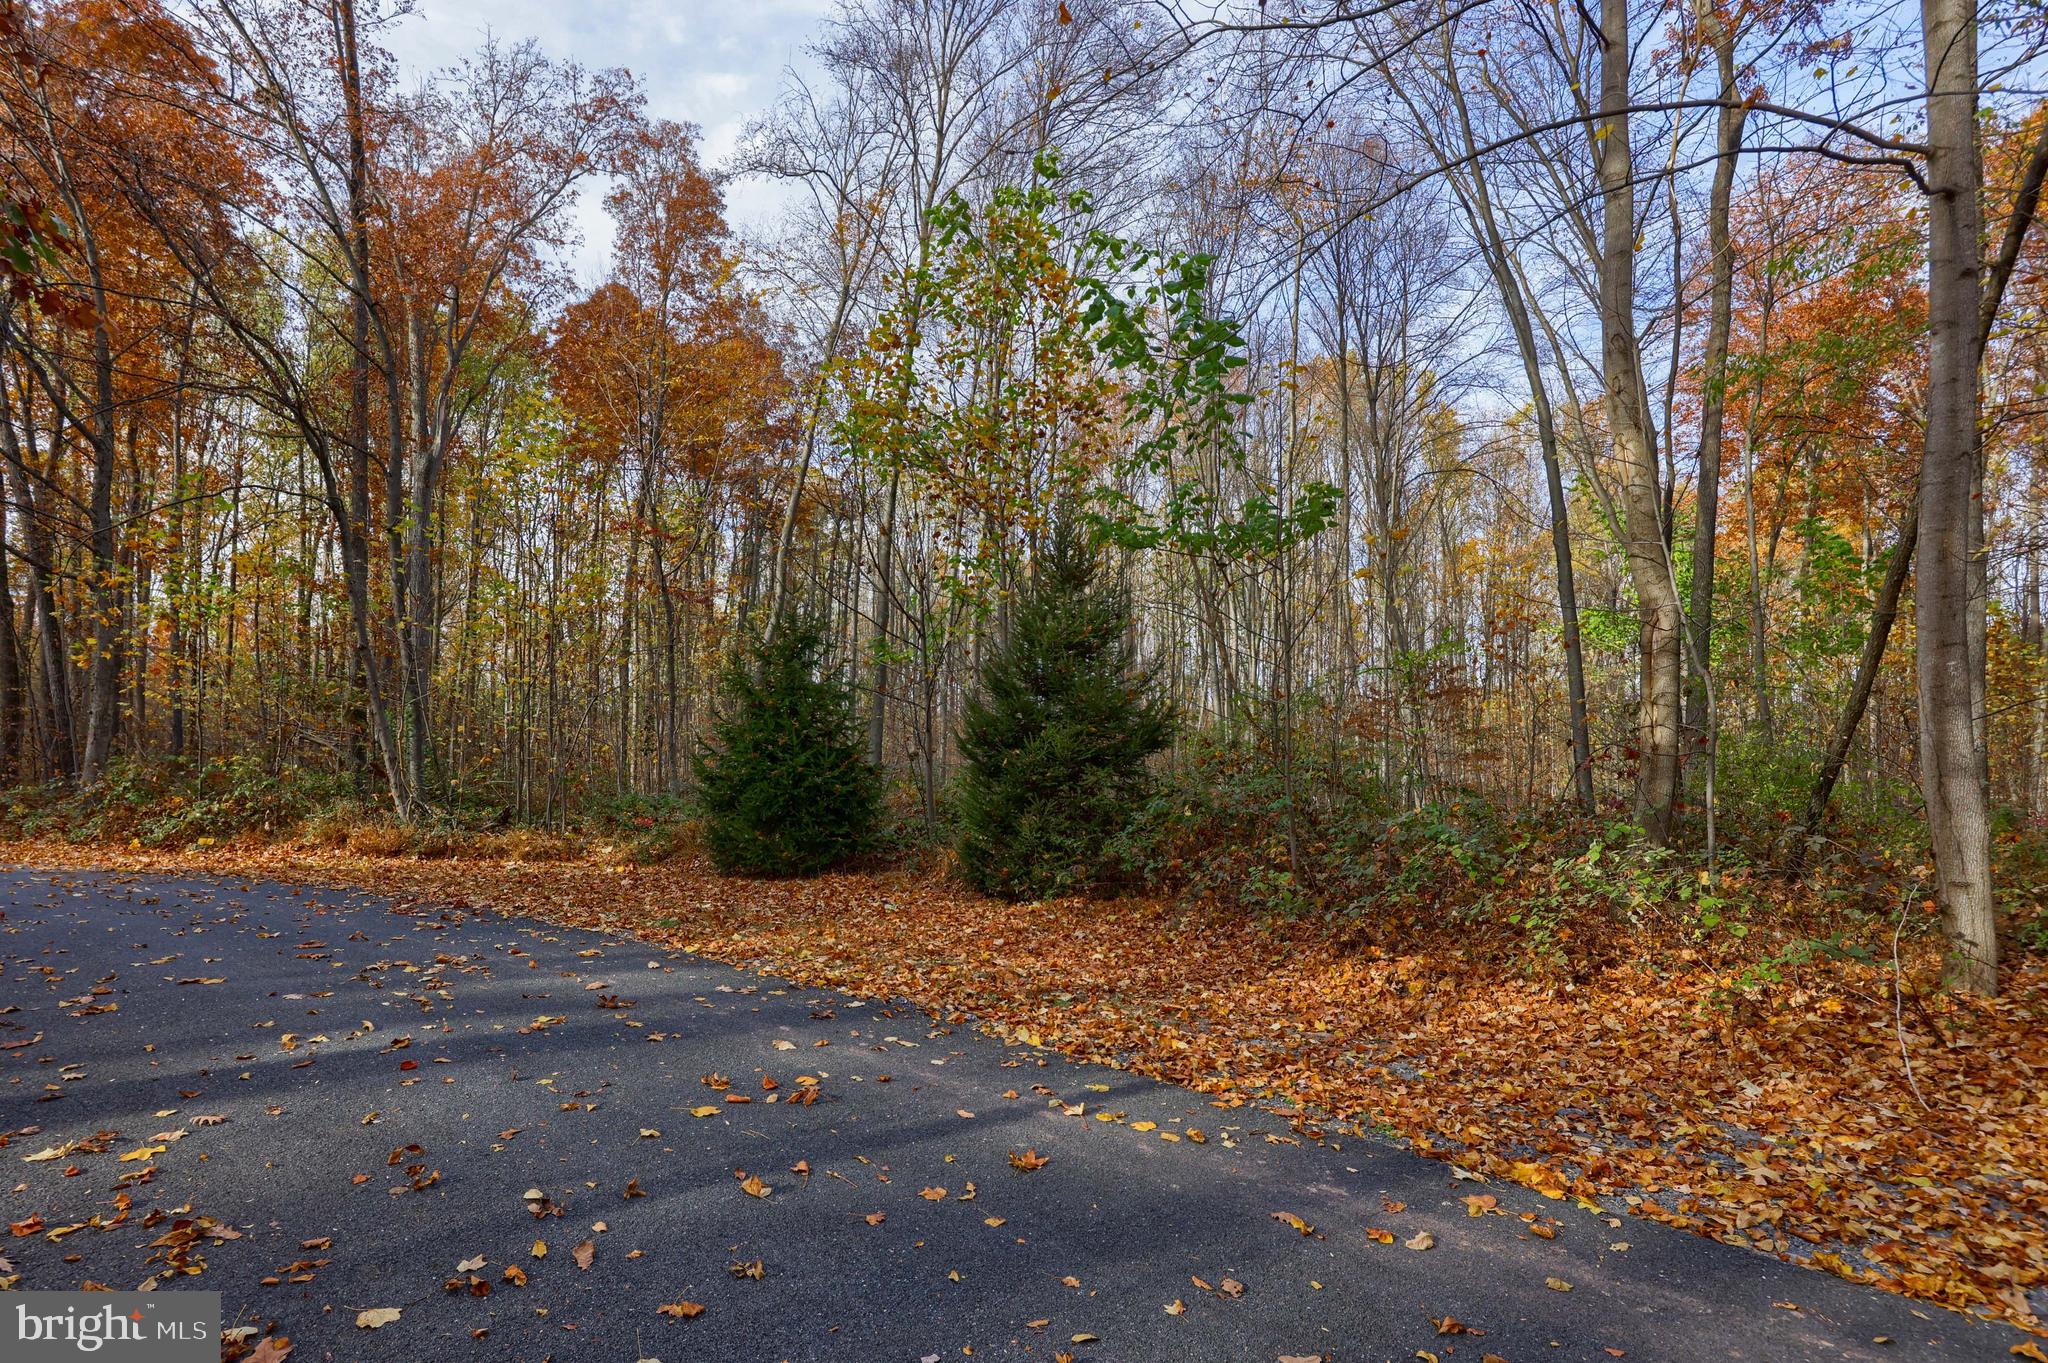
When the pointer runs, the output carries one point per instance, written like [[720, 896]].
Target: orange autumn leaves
[[1784, 1123]]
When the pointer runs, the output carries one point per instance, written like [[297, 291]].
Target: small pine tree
[[786, 789], [1056, 741]]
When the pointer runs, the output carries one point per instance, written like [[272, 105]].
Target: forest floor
[[1894, 1137]]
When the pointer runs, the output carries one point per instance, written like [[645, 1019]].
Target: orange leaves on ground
[[1784, 1121]]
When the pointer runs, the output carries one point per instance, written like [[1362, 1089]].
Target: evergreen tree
[[786, 789], [1056, 741]]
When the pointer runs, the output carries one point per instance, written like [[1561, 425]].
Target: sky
[[714, 63]]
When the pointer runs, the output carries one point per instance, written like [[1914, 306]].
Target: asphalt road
[[393, 1082]]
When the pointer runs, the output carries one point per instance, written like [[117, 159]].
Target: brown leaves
[[1616, 1046], [377, 1317], [275, 1349], [1029, 1160], [681, 1310], [752, 1186], [1291, 1219], [584, 1254]]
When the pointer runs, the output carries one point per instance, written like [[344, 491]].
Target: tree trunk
[[1657, 716], [1714, 382], [1881, 619], [1952, 774]]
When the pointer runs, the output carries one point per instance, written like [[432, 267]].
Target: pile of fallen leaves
[[1880, 1130]]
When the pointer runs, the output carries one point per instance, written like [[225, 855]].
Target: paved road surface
[[356, 1050]]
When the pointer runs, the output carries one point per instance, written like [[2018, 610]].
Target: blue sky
[[715, 63]]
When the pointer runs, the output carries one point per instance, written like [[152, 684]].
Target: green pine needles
[[1057, 740], [786, 789]]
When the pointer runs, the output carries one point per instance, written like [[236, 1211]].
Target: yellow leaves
[[1176, 1307], [1144, 1126], [540, 1249], [1542, 1178], [752, 1186], [1557, 1284], [681, 1310], [706, 1110], [2028, 1349], [143, 1152], [1379, 1236], [1483, 1204], [377, 1318], [992, 1221], [1291, 1219]]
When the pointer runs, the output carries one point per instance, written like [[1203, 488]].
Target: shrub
[[1058, 737], [785, 788]]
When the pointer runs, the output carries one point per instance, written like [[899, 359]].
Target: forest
[[1223, 537], [1494, 417]]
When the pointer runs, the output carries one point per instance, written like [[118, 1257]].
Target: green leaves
[[1057, 739], [787, 789]]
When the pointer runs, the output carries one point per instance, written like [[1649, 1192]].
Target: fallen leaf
[[584, 1253], [376, 1319], [681, 1310], [1422, 1240]]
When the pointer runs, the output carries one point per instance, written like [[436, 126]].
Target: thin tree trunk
[[1867, 665], [1714, 382]]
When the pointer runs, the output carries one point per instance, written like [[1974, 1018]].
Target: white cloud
[[714, 63]]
